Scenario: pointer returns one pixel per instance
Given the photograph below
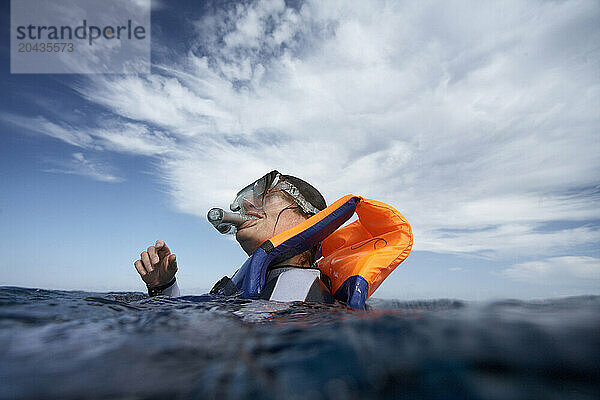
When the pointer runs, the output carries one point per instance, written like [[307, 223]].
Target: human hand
[[157, 266]]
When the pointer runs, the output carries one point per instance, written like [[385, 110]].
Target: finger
[[172, 266], [152, 254], [146, 261], [163, 249], [140, 268]]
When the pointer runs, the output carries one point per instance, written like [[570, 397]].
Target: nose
[[248, 206]]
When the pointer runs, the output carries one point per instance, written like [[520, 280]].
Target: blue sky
[[478, 122]]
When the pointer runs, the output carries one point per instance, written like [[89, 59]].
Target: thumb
[[172, 263]]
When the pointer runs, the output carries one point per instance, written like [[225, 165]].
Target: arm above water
[[157, 267]]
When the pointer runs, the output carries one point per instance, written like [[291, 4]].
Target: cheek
[[260, 231], [286, 221], [265, 228]]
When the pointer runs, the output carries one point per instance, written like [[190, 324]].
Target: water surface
[[72, 345]]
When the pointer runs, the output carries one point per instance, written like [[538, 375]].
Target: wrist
[[157, 290]]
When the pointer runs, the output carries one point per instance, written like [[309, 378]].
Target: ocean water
[[74, 345]]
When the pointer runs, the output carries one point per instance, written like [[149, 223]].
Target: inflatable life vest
[[357, 257]]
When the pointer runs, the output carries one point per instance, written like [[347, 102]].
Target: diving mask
[[251, 199]]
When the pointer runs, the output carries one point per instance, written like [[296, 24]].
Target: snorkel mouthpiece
[[225, 221]]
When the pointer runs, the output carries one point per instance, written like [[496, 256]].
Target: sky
[[479, 122]]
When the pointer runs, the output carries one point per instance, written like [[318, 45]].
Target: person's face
[[251, 234]]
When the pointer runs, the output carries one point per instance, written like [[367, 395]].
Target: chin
[[247, 242], [251, 237]]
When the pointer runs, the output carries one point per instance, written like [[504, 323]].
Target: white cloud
[[124, 137], [558, 271], [478, 122], [133, 138], [40, 124], [508, 239], [79, 165]]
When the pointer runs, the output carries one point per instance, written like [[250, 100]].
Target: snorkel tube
[[225, 221]]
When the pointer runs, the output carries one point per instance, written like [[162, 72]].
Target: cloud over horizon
[[478, 121], [558, 271]]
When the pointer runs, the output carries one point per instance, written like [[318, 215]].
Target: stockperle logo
[[80, 36]]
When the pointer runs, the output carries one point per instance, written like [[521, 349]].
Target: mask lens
[[242, 195], [249, 197], [252, 196], [260, 187]]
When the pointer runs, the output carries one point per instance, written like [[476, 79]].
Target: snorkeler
[[299, 248], [269, 206]]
